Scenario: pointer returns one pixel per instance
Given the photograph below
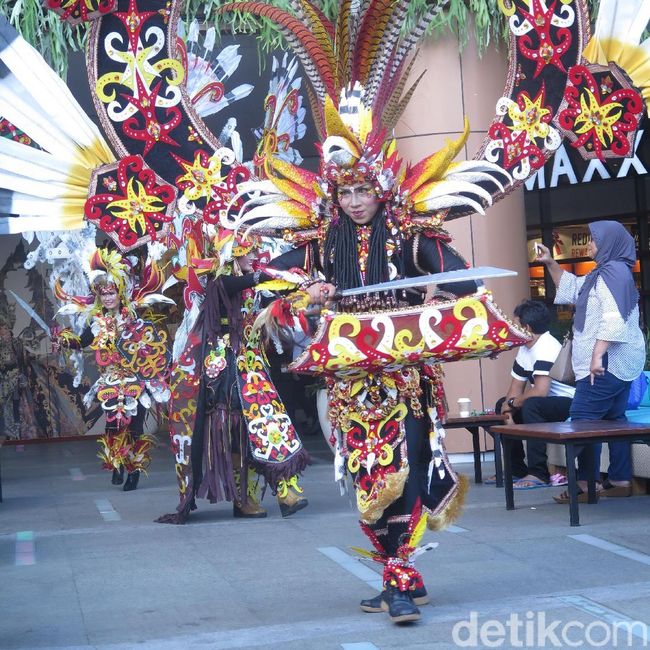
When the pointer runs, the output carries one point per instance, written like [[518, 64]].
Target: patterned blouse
[[603, 321]]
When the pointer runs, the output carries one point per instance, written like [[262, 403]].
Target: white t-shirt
[[538, 360]]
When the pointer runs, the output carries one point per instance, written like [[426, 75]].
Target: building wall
[[458, 84]]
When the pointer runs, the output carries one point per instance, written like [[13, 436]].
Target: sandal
[[582, 496], [610, 490], [493, 480], [529, 484]]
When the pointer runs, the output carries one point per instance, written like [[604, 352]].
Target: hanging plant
[[54, 39]]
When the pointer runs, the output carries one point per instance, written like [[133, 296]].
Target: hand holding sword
[[321, 293]]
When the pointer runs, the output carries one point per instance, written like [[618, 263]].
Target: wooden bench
[[573, 435], [473, 423]]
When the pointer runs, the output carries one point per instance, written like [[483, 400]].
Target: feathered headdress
[[108, 268], [357, 68]]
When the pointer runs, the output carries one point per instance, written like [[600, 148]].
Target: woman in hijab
[[608, 345]]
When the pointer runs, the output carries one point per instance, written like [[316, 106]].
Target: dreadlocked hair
[[341, 258]]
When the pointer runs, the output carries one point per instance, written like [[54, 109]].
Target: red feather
[[294, 27], [370, 35], [371, 535]]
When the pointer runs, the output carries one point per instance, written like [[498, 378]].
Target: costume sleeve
[[429, 255], [87, 337], [611, 326], [296, 258], [68, 340], [568, 289], [234, 284]]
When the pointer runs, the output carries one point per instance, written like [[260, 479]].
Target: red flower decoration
[[547, 51], [600, 112], [78, 11], [139, 211]]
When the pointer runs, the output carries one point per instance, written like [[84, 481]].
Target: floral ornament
[[78, 11], [139, 210], [552, 31], [600, 112], [524, 135], [530, 115], [154, 130], [204, 180], [215, 362]]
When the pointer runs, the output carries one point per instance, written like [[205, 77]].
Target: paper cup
[[464, 404]]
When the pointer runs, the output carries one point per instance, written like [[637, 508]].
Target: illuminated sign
[[562, 168]]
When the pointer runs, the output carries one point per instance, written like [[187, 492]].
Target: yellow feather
[[334, 125], [365, 122], [434, 167], [300, 213], [362, 552], [276, 285]]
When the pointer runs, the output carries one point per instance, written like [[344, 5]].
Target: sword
[[448, 277], [30, 311]]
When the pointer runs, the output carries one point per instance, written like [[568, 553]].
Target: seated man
[[533, 396]]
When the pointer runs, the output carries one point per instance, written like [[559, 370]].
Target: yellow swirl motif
[[402, 347]]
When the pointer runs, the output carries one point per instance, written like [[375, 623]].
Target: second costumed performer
[[131, 354], [241, 431]]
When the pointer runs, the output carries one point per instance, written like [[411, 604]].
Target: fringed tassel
[[182, 512], [218, 483], [372, 510], [274, 473], [453, 507]]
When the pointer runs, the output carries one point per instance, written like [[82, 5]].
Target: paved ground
[[82, 565]]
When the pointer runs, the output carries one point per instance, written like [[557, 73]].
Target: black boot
[[379, 604], [131, 482], [118, 476], [401, 607]]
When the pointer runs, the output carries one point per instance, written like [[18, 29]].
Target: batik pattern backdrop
[[38, 396]]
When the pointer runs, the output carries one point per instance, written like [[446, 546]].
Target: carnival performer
[[359, 249], [367, 218], [131, 356], [236, 443]]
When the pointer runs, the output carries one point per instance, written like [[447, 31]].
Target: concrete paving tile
[[218, 582]]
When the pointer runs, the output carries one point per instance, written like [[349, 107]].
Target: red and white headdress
[[357, 68]]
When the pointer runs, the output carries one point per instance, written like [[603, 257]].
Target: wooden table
[[473, 423], [573, 435]]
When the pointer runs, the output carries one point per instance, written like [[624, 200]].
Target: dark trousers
[[535, 409], [392, 526], [605, 400]]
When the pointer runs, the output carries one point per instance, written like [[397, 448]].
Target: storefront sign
[[568, 243], [562, 169]]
